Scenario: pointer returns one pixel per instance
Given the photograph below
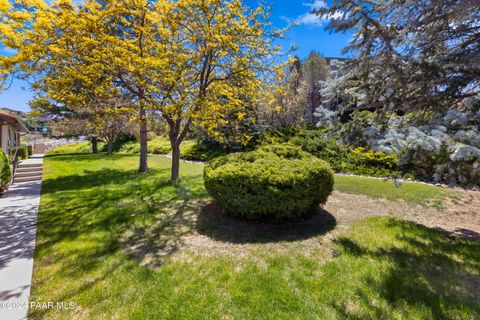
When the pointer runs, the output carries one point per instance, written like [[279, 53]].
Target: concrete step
[[27, 179], [29, 169], [28, 174], [30, 165]]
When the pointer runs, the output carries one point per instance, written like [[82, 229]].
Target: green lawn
[[411, 192], [378, 268]]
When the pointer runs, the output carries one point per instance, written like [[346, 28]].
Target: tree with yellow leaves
[[193, 62], [219, 49], [285, 100]]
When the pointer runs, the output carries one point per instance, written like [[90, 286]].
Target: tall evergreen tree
[[314, 70], [409, 54]]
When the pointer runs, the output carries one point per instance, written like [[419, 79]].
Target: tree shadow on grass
[[212, 222], [83, 218], [429, 273], [94, 178], [153, 243], [109, 199]]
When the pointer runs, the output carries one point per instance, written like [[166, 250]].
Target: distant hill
[[22, 116], [13, 112]]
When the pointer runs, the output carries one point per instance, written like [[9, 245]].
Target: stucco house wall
[[10, 132]]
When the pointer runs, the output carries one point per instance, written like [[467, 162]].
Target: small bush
[[130, 147], [79, 147], [189, 149], [342, 158], [159, 145], [21, 154], [5, 171], [275, 182], [193, 150]]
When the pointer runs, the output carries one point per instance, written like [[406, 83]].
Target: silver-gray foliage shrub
[[446, 150]]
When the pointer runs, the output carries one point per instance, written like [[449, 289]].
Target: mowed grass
[[411, 192], [378, 268]]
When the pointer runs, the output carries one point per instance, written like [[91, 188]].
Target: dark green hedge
[[22, 152], [276, 182], [341, 158], [5, 172]]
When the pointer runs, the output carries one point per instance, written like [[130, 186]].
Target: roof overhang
[[8, 119]]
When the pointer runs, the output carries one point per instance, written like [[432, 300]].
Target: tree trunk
[[176, 135], [175, 160], [94, 142], [143, 140], [109, 147], [310, 108]]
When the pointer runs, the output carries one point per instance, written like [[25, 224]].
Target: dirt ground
[[461, 218], [200, 227]]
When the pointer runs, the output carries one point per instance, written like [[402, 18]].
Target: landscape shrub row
[[342, 158], [436, 146], [22, 153], [275, 182], [189, 149], [78, 147], [5, 171]]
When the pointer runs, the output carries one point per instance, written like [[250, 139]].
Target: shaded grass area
[[379, 268], [411, 192]]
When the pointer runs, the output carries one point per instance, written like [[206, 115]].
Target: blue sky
[[307, 35]]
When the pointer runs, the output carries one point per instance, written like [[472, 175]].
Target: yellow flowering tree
[[193, 62], [219, 51]]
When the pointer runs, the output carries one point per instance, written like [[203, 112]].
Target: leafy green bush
[[159, 145], [275, 182], [341, 157], [371, 163], [22, 152], [5, 171], [79, 147], [189, 149], [129, 147], [193, 150]]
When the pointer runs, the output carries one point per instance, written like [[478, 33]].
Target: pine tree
[[314, 70], [409, 54]]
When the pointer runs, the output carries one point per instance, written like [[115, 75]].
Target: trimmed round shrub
[[275, 182], [5, 172]]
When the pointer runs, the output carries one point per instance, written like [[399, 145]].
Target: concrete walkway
[[18, 219]]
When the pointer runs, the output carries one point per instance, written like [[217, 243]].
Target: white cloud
[[313, 19], [316, 4]]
